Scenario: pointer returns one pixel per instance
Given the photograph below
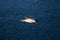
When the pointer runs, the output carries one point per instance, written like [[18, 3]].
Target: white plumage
[[29, 20]]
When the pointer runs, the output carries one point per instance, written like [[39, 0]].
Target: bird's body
[[29, 20]]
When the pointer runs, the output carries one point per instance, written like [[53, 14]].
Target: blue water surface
[[47, 12]]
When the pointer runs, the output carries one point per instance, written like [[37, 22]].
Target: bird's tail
[[22, 20]]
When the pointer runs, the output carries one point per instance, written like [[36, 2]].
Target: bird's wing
[[27, 17]]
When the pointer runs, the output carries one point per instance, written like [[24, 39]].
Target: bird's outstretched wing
[[27, 17]]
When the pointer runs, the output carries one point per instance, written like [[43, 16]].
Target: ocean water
[[47, 12]]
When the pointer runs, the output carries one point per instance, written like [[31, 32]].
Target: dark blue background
[[46, 11]]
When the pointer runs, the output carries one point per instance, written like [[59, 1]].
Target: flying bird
[[29, 19]]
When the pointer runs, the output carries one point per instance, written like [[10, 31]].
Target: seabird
[[29, 19]]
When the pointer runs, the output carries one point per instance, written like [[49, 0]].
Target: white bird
[[29, 19]]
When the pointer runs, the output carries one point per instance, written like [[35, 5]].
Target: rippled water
[[46, 11]]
